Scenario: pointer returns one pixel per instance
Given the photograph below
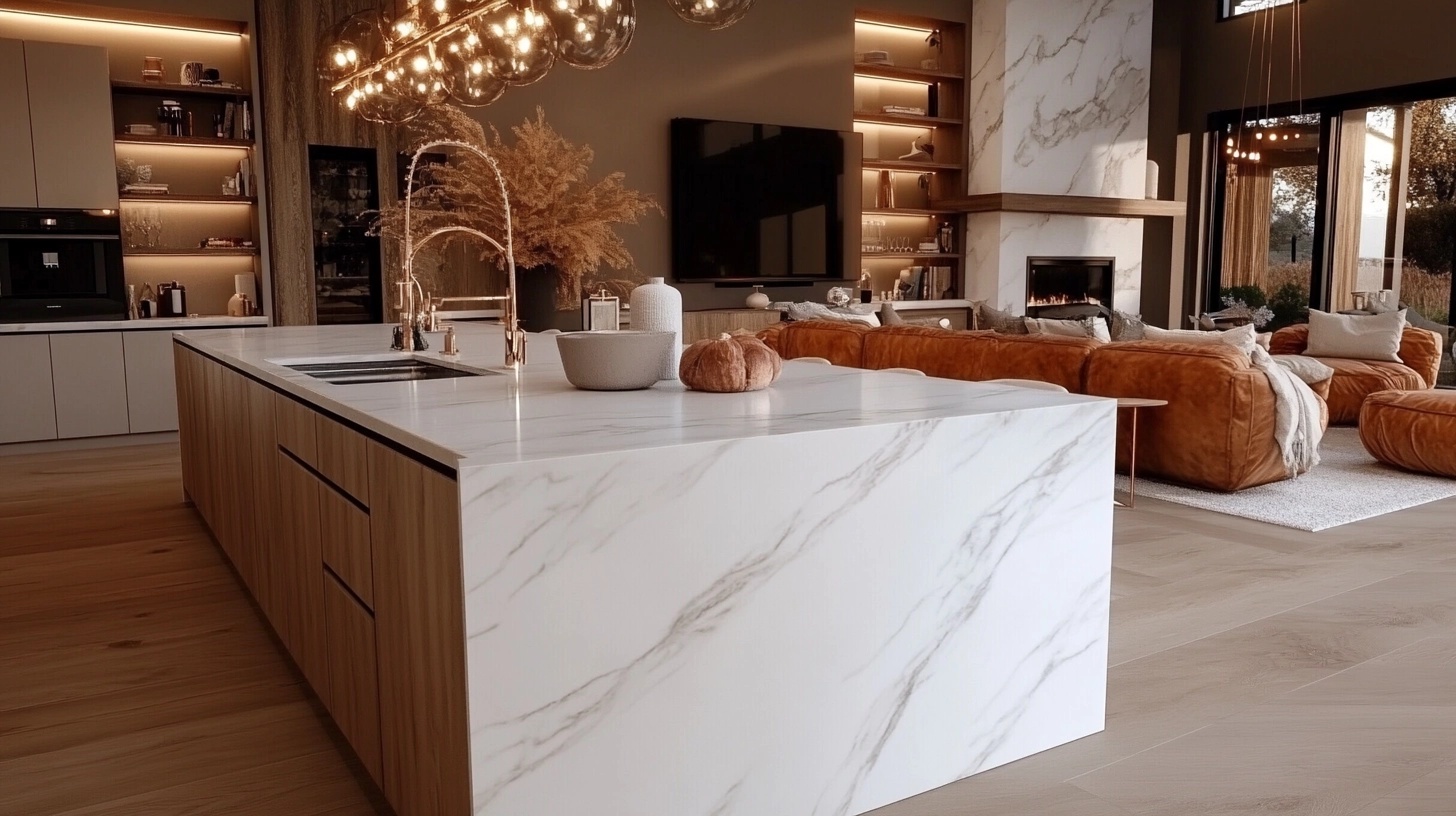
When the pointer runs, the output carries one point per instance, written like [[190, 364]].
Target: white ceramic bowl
[[614, 360]]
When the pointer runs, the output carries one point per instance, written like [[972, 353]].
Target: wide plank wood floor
[[135, 675], [1255, 669]]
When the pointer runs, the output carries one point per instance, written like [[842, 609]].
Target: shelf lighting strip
[[926, 31], [81, 18], [925, 82]]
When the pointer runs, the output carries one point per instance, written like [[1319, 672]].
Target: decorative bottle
[[658, 307], [757, 300]]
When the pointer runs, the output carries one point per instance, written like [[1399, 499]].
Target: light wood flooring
[[1255, 669]]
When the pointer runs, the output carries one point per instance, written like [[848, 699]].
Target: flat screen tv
[[760, 203]]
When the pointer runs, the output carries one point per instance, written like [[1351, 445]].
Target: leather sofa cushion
[[838, 342], [1355, 380], [1217, 431], [1412, 430], [981, 355], [1420, 349]]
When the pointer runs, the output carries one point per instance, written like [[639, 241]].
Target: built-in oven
[[61, 265]]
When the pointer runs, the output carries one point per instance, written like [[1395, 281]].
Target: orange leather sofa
[[1216, 433], [1354, 380]]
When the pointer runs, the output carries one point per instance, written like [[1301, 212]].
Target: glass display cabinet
[[344, 193]]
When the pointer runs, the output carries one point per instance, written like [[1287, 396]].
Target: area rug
[[1348, 486]]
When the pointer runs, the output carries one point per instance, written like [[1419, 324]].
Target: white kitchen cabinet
[[69, 90], [17, 157], [89, 371], [151, 382], [27, 403]]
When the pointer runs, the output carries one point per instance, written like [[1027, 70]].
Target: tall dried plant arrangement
[[560, 217]]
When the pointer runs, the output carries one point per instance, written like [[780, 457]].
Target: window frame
[[1223, 10]]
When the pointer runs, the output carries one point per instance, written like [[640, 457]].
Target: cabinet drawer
[[353, 698], [346, 546], [343, 457], [296, 432]]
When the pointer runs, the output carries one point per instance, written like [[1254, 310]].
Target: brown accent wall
[[1349, 46], [299, 112], [788, 63]]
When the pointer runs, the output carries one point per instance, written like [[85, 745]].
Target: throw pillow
[[1093, 327], [1242, 338], [993, 319], [888, 315], [1356, 337], [1127, 327], [818, 311], [1308, 369]]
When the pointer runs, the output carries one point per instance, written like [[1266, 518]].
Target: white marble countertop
[[535, 414], [149, 324]]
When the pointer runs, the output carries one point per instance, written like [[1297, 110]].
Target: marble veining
[[1060, 97], [749, 627], [1000, 243], [820, 598]]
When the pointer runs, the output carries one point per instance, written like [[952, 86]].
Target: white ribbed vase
[[658, 307]]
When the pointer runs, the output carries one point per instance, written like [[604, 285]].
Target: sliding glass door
[[1346, 209]]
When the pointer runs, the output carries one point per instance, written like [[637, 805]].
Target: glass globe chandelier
[[388, 66]]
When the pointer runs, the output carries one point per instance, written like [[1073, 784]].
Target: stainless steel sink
[[394, 369]]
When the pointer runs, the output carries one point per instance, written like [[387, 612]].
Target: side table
[[1133, 405]]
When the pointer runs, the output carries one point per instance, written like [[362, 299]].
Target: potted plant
[[563, 222]]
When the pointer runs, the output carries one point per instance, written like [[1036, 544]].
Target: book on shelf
[[903, 110], [237, 121], [925, 282], [146, 189]]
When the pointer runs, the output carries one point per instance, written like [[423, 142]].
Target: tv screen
[[758, 203]]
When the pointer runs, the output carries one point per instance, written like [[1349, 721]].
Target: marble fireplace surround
[[1059, 96]]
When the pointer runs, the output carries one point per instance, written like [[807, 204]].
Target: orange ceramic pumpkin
[[730, 364]]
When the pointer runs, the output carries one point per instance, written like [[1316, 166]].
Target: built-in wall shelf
[[187, 199], [184, 141], [165, 89], [908, 166], [912, 256], [1069, 205], [902, 120], [904, 74], [192, 252], [912, 211]]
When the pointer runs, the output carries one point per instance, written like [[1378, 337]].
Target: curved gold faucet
[[414, 308]]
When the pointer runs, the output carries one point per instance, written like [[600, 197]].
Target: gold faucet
[[416, 311]]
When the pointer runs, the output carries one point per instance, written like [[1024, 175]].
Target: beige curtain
[[1248, 208], [1349, 211]]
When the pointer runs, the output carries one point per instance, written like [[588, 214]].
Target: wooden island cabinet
[[351, 550], [518, 598]]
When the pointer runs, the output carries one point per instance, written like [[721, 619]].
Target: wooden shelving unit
[[164, 89], [928, 78], [194, 167], [903, 120], [167, 198], [863, 69], [184, 141], [194, 252]]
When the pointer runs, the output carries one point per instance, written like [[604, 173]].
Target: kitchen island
[[519, 598]]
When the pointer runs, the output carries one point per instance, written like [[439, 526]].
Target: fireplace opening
[[1063, 287]]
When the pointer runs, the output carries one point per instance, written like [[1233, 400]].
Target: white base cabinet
[[27, 402], [72, 385], [89, 371], [151, 383]]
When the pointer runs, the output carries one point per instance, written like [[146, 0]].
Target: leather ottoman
[[1412, 430]]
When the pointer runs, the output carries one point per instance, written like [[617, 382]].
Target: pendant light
[[389, 65]]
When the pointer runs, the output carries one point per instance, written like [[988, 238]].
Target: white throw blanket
[[1298, 426]]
